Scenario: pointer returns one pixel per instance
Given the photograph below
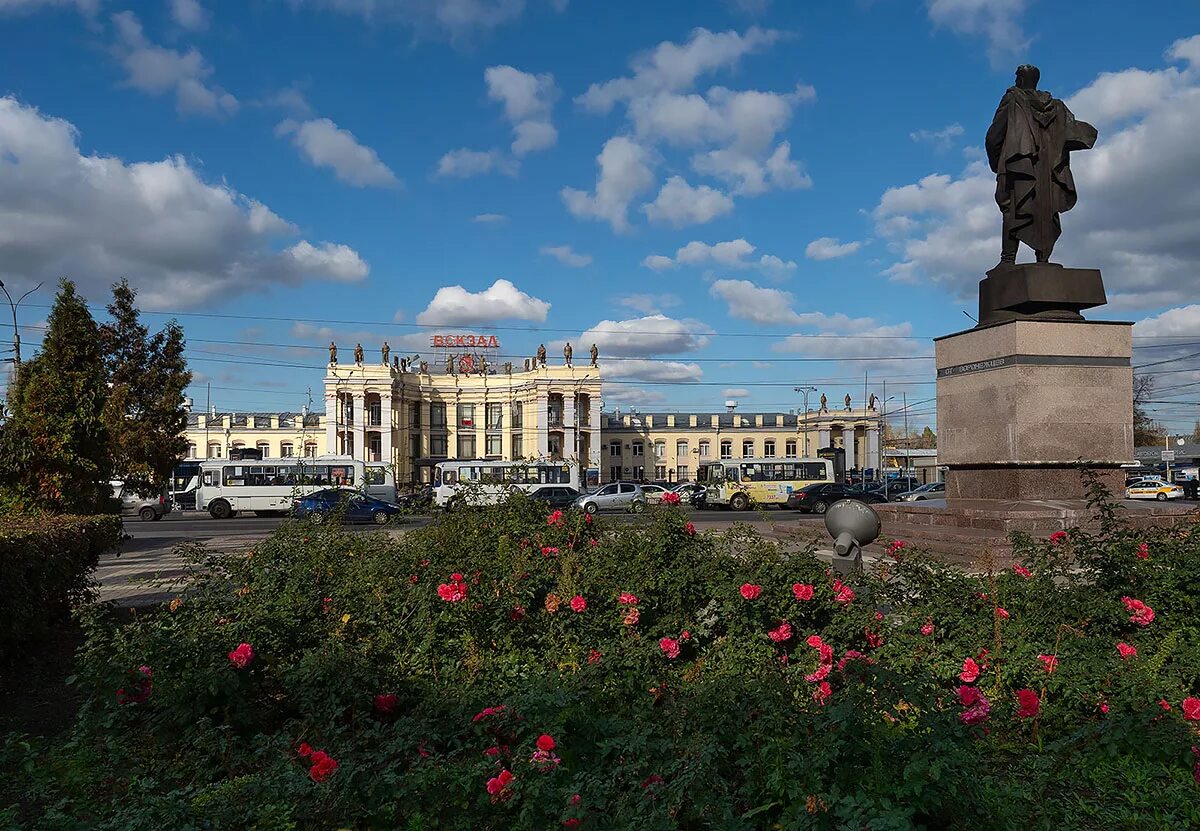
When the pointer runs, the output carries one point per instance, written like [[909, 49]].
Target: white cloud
[[751, 176], [158, 71], [189, 14], [730, 254], [624, 174], [455, 306], [681, 204], [1137, 217], [292, 101], [181, 241], [325, 144], [490, 219], [622, 395], [747, 120], [735, 392], [671, 67], [747, 301], [997, 20], [641, 369], [649, 304], [567, 256], [1184, 320], [845, 338], [828, 248], [643, 336], [941, 139], [346, 339], [453, 19], [464, 163], [527, 101]]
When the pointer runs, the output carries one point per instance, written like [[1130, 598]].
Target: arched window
[[748, 449], [726, 449], [286, 450], [705, 449], [214, 450], [310, 450], [681, 451], [192, 450], [265, 447]]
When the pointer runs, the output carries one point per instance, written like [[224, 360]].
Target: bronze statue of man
[[567, 353], [595, 355], [358, 354], [541, 354], [847, 401], [1029, 149], [386, 351], [332, 352], [824, 404]]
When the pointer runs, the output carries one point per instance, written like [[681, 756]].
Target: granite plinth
[[1025, 404], [1039, 291]]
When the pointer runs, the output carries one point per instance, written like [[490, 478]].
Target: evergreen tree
[[147, 377], [54, 452], [928, 438]]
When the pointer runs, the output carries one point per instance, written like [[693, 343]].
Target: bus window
[[812, 470], [374, 475], [730, 473], [233, 477], [449, 477], [750, 473]]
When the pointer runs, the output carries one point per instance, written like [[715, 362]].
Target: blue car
[[353, 506]]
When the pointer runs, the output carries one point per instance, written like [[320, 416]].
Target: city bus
[[489, 482], [740, 483], [268, 486]]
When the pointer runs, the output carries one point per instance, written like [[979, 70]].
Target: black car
[[816, 499], [556, 496]]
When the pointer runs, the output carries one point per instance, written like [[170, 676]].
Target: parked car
[[555, 496], [352, 505], [934, 490], [816, 498], [653, 493], [1152, 489], [900, 484], [690, 492], [615, 496], [147, 508]]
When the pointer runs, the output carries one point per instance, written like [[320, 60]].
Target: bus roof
[[763, 461]]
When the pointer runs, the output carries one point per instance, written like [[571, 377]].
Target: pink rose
[[242, 656], [802, 591], [970, 671], [750, 591], [578, 604], [1126, 650]]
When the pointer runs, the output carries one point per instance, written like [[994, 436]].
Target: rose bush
[[641, 677]]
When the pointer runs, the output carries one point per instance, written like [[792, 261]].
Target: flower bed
[[506, 669]]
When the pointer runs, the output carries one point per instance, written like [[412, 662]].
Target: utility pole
[[907, 460], [16, 329], [805, 390], [207, 416]]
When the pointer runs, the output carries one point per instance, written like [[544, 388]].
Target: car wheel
[[637, 507], [220, 509], [147, 514], [1162, 497], [739, 502], [381, 518], [819, 507], [591, 508]]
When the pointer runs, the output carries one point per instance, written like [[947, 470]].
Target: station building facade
[[414, 416]]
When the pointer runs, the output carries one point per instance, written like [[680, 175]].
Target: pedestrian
[[1191, 489]]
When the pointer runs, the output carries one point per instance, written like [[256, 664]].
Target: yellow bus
[[740, 483]]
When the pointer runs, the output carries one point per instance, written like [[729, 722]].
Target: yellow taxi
[[1152, 489]]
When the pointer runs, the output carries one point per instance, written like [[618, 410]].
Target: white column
[[597, 436], [331, 419], [568, 449], [872, 448], [848, 443], [822, 440], [385, 429], [360, 425]]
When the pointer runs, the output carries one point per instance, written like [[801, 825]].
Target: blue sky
[[733, 198]]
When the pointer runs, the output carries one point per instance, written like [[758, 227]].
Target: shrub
[[413, 683], [45, 567]]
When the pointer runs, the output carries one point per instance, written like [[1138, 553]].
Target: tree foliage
[[147, 376], [54, 450]]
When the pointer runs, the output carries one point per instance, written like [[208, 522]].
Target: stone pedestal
[[1023, 404], [1043, 291]]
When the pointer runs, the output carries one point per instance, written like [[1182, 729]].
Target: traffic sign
[[1168, 455]]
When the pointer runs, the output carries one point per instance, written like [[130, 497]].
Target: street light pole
[[805, 390], [16, 329]]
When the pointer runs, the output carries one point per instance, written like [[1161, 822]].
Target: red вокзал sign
[[464, 341]]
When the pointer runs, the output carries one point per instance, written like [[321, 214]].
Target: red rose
[[242, 656], [323, 766], [750, 591], [690, 529], [1140, 613], [305, 749], [627, 599], [822, 693], [1021, 570], [802, 591], [1058, 537], [1028, 704], [1191, 708], [386, 703], [1049, 663], [578, 604], [927, 629], [555, 518], [970, 671], [1002, 613], [1126, 650], [545, 742], [670, 648], [781, 633]]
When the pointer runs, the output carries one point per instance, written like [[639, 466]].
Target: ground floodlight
[[853, 525]]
